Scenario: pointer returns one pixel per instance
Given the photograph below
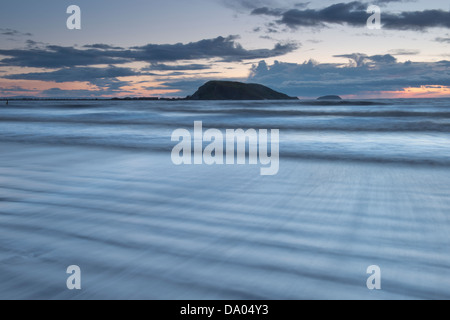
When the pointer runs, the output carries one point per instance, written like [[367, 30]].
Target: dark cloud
[[112, 85], [404, 52], [360, 59], [224, 49], [82, 74], [186, 67], [417, 20], [443, 40], [355, 14], [105, 79], [245, 5], [363, 74], [77, 64], [35, 44], [53, 57], [102, 47], [13, 33], [267, 11]]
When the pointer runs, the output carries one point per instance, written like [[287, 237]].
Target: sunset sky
[[171, 47]]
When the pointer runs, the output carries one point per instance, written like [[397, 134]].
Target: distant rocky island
[[330, 98], [229, 90]]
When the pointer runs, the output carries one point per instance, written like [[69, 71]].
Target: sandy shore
[[140, 227]]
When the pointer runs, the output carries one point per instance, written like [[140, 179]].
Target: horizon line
[[183, 99]]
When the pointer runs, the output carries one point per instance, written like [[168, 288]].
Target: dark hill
[[227, 90]]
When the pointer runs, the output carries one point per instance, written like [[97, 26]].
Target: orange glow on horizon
[[145, 86], [35, 87], [423, 92], [407, 93]]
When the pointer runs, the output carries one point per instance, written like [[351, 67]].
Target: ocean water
[[91, 183], [415, 131]]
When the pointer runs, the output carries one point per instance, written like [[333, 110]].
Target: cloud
[[224, 49], [102, 47], [81, 74], [186, 67], [105, 79], [111, 85], [13, 33], [404, 52], [268, 12], [360, 59], [361, 74], [245, 5], [355, 14], [443, 40], [75, 64], [54, 57], [35, 44]]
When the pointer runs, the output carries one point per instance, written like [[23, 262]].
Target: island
[[329, 98], [230, 90]]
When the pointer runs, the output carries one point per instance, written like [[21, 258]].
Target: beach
[[94, 186]]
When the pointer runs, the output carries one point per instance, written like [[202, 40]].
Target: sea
[[92, 184]]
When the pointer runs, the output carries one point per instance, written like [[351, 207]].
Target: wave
[[340, 124], [419, 133], [287, 151], [344, 103]]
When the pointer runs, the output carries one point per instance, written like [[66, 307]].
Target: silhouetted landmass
[[228, 90], [330, 98]]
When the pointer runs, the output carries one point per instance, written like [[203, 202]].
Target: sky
[[168, 48]]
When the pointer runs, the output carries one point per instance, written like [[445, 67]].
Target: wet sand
[[141, 228]]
